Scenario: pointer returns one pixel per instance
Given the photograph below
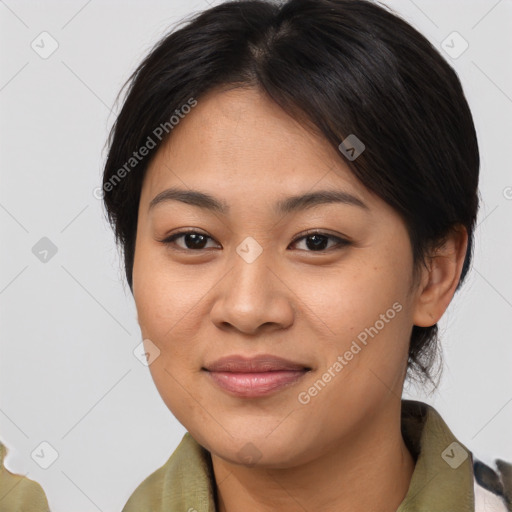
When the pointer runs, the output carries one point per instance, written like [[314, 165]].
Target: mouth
[[255, 377]]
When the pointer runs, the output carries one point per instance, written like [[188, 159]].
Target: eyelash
[[340, 242]]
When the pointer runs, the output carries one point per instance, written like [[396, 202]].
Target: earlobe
[[440, 277]]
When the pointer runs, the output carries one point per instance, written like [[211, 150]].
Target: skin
[[343, 450]]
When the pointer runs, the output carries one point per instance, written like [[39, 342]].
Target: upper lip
[[260, 363]]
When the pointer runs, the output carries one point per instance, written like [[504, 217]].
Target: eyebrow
[[283, 207]]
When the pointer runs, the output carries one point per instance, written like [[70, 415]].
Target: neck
[[370, 470]]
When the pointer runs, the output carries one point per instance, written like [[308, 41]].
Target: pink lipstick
[[256, 376]]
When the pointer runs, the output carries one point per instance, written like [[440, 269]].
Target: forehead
[[238, 141]]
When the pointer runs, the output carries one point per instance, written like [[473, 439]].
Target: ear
[[439, 278]]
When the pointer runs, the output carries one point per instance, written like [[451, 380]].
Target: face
[[322, 284]]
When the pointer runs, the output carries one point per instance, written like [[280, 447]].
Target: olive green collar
[[443, 476], [442, 479]]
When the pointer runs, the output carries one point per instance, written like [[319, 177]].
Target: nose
[[253, 297]]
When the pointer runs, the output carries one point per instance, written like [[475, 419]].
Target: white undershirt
[[486, 501]]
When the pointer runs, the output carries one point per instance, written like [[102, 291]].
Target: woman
[[295, 189]]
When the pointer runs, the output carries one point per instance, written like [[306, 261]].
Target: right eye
[[193, 240]]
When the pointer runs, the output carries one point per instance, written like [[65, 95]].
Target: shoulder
[[17, 492], [476, 486], [186, 479], [492, 486]]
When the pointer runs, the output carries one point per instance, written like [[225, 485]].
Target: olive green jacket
[[442, 481], [18, 493]]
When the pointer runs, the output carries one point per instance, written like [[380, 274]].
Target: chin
[[253, 449]]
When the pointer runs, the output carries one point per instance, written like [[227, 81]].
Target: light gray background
[[68, 326]]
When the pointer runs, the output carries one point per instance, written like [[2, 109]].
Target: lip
[[260, 363], [256, 376]]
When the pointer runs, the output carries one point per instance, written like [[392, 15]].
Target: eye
[[316, 241], [193, 240]]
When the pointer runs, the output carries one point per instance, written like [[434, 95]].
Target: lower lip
[[256, 384]]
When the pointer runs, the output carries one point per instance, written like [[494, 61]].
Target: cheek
[[366, 307], [167, 303], [167, 299], [365, 355], [353, 296]]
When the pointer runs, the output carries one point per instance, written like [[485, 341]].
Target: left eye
[[196, 241], [318, 241]]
